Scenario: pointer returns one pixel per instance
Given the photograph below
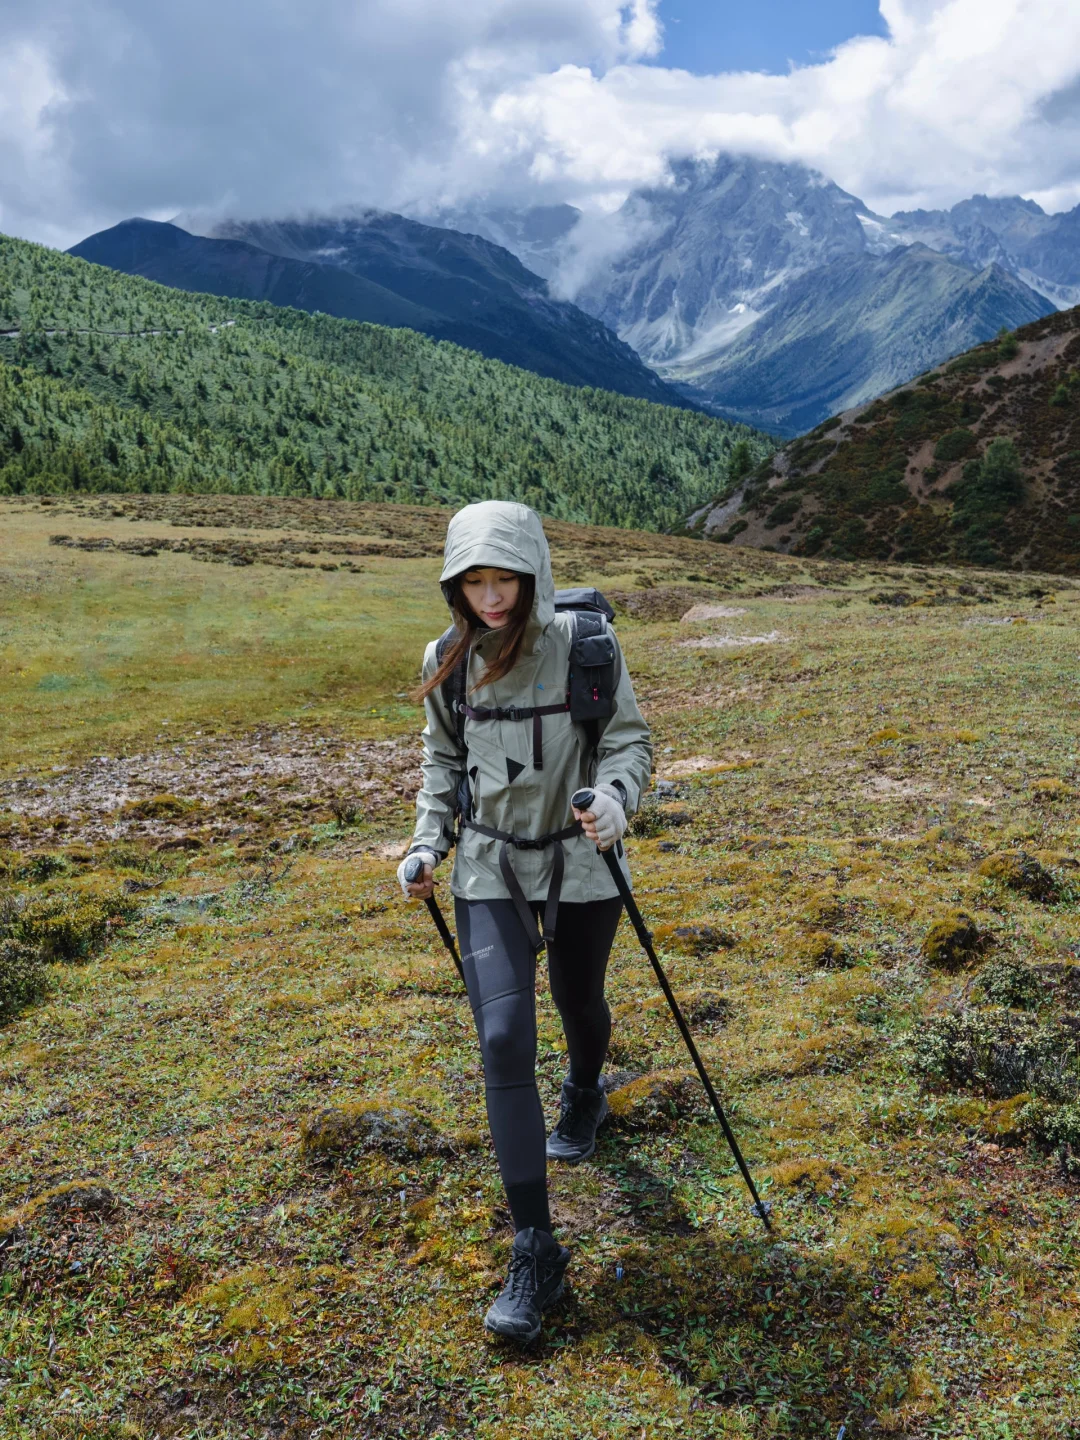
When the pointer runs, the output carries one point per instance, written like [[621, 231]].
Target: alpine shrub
[[60, 927], [67, 925], [1020, 871], [1001, 475], [648, 822], [22, 974], [953, 940], [996, 1052], [1013, 984], [985, 492], [954, 446], [1055, 1128], [784, 511]]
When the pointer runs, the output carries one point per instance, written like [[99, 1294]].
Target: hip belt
[[517, 895]]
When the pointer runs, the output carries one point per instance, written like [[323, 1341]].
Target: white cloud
[[124, 107], [28, 88], [111, 108], [953, 102]]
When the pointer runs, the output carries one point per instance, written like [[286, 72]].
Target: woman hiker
[[522, 767]]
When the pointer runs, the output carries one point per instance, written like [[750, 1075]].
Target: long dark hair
[[468, 629]]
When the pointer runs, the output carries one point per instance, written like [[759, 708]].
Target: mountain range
[[766, 292], [757, 290], [389, 270], [1042, 250]]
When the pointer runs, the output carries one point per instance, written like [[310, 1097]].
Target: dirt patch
[[732, 642], [662, 602], [886, 787], [712, 612], [707, 764], [240, 785]]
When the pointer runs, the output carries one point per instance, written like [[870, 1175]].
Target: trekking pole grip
[[414, 869]]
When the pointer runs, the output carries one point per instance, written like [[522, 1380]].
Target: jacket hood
[[501, 533]]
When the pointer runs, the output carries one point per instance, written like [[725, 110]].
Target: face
[[491, 595]]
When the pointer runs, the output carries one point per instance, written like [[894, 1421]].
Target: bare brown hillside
[[977, 461]]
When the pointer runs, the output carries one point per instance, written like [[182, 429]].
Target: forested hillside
[[112, 383]]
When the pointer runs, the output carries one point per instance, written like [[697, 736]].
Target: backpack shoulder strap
[[454, 686], [595, 672]]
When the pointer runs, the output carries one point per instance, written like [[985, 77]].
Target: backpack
[[590, 684]]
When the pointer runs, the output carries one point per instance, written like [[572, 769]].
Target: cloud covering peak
[[110, 108]]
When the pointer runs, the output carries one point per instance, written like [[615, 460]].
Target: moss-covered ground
[[246, 1189]]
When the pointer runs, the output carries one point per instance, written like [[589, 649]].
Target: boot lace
[[521, 1283], [573, 1123]]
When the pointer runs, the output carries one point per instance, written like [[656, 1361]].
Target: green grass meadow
[[246, 1188]]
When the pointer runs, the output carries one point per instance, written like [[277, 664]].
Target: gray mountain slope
[[163, 252], [709, 254], [485, 298], [1043, 250], [854, 329], [536, 235]]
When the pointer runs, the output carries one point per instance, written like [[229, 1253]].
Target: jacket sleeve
[[625, 751], [443, 767]]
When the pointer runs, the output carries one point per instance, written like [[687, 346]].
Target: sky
[[709, 36], [112, 108]]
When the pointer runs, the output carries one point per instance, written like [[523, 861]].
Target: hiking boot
[[581, 1113], [534, 1281]]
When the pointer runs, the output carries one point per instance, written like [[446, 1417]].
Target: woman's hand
[[424, 888], [606, 821]]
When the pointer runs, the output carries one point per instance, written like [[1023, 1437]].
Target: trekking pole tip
[[763, 1209]]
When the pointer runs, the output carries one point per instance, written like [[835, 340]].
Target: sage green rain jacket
[[508, 794]]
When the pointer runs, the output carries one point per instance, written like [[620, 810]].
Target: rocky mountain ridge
[[853, 328]]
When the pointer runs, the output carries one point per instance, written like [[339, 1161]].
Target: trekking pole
[[414, 873], [581, 800]]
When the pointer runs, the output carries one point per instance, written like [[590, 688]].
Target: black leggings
[[500, 973]]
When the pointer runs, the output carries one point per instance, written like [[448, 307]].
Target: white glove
[[605, 822], [430, 859]]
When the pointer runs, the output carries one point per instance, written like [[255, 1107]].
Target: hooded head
[[503, 534]]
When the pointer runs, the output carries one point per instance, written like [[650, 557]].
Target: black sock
[[528, 1201]]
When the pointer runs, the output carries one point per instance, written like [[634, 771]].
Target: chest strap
[[535, 713], [521, 904]]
